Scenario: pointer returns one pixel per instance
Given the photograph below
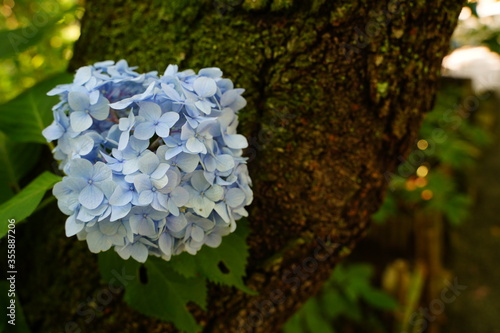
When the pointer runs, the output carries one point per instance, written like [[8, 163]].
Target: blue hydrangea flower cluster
[[154, 163]]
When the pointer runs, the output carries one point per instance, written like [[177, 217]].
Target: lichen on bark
[[336, 91]]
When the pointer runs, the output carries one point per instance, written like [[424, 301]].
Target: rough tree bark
[[336, 92]]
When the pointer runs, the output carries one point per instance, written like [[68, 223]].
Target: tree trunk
[[336, 92]]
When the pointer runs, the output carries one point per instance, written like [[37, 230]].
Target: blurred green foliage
[[430, 179], [348, 294], [36, 40]]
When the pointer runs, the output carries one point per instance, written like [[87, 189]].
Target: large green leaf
[[17, 160], [24, 117], [224, 264], [158, 290], [25, 202]]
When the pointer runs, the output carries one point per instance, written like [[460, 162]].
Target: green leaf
[[158, 290], [25, 202], [379, 299], [24, 117], [294, 324], [224, 264], [17, 160], [457, 208], [334, 303], [352, 310], [20, 321], [314, 317]]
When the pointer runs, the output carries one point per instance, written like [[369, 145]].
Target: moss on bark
[[336, 91]]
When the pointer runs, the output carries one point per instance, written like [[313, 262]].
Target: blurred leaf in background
[[432, 182], [36, 41], [348, 294]]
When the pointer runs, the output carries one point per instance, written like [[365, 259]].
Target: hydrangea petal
[[91, 197], [205, 86], [100, 110], [78, 100], [72, 227], [80, 121], [235, 197], [144, 131], [149, 111]]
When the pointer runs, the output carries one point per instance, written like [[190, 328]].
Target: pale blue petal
[[80, 121], [197, 234], [142, 183], [53, 132], [172, 152], [213, 240], [118, 212], [98, 242], [85, 215], [171, 92], [91, 197], [187, 162], [224, 162], [172, 208], [235, 197], [121, 196], [199, 182], [101, 172], [139, 252], [212, 72], [221, 209], [205, 86], [169, 118], [156, 215], [195, 146], [123, 142], [203, 206], [235, 141], [94, 96], [81, 168], [146, 197], [162, 130], [165, 243], [180, 196], [204, 106], [210, 163], [215, 193], [160, 171], [78, 100], [229, 97], [100, 110], [109, 228], [148, 163], [149, 111], [83, 74], [177, 223], [73, 227], [130, 166], [187, 132], [144, 131]]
